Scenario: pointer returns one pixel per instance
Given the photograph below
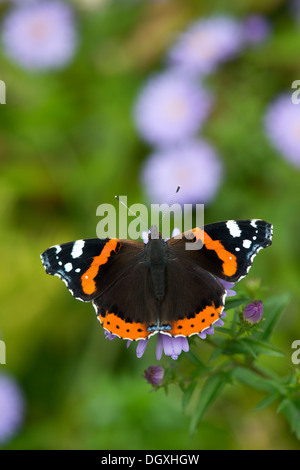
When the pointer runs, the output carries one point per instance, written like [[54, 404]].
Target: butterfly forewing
[[227, 249], [89, 266]]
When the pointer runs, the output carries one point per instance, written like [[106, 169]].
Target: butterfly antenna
[[117, 197], [174, 195]]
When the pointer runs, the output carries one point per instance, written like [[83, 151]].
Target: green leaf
[[222, 329], [211, 389], [267, 401], [253, 347], [253, 379], [188, 395], [261, 347], [240, 346], [273, 308], [215, 354], [194, 359], [292, 414], [233, 302]]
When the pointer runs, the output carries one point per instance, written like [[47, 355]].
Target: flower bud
[[253, 312]]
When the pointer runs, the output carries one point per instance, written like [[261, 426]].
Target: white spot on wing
[[246, 243], [68, 267], [233, 228], [77, 249]]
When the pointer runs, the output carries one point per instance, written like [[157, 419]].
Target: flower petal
[[109, 335], [210, 330], [141, 347], [219, 322]]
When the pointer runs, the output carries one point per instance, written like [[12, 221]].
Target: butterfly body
[[161, 286], [157, 259]]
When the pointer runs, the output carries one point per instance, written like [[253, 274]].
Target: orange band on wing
[[122, 328], [202, 320], [87, 279], [229, 260]]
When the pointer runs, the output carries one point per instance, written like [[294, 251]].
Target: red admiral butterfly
[[141, 289]]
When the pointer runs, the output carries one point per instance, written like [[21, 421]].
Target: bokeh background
[[134, 97]]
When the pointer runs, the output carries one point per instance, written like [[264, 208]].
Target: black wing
[[88, 267], [225, 249]]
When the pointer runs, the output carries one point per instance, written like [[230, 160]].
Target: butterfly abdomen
[[157, 279], [157, 268]]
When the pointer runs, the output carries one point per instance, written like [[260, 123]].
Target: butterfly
[[140, 289]]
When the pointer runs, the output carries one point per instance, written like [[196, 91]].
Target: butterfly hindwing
[[194, 299], [127, 307]]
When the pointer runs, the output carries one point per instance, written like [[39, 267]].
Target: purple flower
[[282, 123], [12, 407], [194, 164], [165, 343], [154, 375], [228, 286], [210, 330], [171, 108], [256, 29], [207, 43], [109, 335], [253, 312], [171, 346], [41, 35]]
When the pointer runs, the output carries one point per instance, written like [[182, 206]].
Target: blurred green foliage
[[67, 144]]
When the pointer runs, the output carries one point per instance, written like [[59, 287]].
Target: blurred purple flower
[[194, 165], [207, 43], [170, 108], [40, 35], [256, 29], [154, 375], [294, 8], [23, 2], [12, 406], [253, 312], [282, 123]]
